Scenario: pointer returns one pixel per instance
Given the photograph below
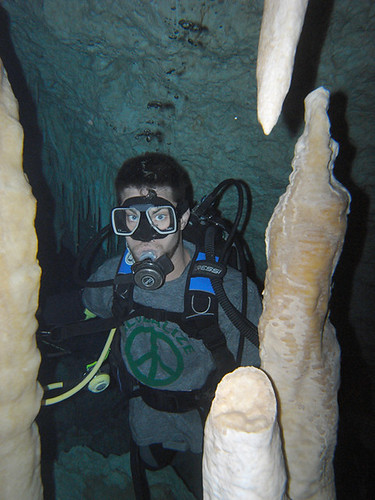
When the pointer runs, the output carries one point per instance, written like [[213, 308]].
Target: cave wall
[[108, 80]]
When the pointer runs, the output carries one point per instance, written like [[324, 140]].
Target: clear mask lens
[[126, 220], [162, 219]]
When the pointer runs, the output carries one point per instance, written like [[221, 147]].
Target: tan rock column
[[299, 350], [20, 394], [242, 456]]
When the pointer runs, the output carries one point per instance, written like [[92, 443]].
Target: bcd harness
[[199, 320], [204, 291]]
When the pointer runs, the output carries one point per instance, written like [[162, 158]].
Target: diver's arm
[[98, 300], [65, 314]]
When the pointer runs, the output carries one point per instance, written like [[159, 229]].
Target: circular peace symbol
[[149, 368]]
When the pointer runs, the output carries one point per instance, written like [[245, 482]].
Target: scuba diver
[[184, 316]]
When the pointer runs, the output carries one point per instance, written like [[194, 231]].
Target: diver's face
[[171, 244]]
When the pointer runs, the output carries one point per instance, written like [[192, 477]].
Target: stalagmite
[[20, 394], [299, 350], [280, 31], [242, 449]]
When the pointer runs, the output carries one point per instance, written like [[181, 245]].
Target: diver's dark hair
[[153, 170]]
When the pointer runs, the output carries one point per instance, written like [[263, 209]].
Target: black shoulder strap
[[123, 303], [84, 327], [201, 312]]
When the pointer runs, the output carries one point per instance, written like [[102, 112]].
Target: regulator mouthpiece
[[148, 255], [149, 273]]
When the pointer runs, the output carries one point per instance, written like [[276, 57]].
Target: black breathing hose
[[243, 269], [243, 325], [92, 245], [211, 199]]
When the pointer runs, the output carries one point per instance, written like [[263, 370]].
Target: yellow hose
[[85, 381]]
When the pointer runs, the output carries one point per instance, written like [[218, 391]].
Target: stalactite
[[20, 394], [281, 27]]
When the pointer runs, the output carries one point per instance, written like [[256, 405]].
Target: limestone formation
[[242, 449], [20, 394], [280, 31], [299, 349]]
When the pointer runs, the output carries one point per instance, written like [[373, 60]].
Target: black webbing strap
[[201, 319], [86, 327], [208, 330], [176, 401], [138, 470]]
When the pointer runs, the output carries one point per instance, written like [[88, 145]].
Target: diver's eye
[[132, 217], [160, 218]]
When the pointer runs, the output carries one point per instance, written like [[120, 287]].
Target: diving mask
[[145, 218]]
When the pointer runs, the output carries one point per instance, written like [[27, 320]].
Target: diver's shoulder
[[109, 268]]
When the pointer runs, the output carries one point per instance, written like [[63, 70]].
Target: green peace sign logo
[[149, 368]]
